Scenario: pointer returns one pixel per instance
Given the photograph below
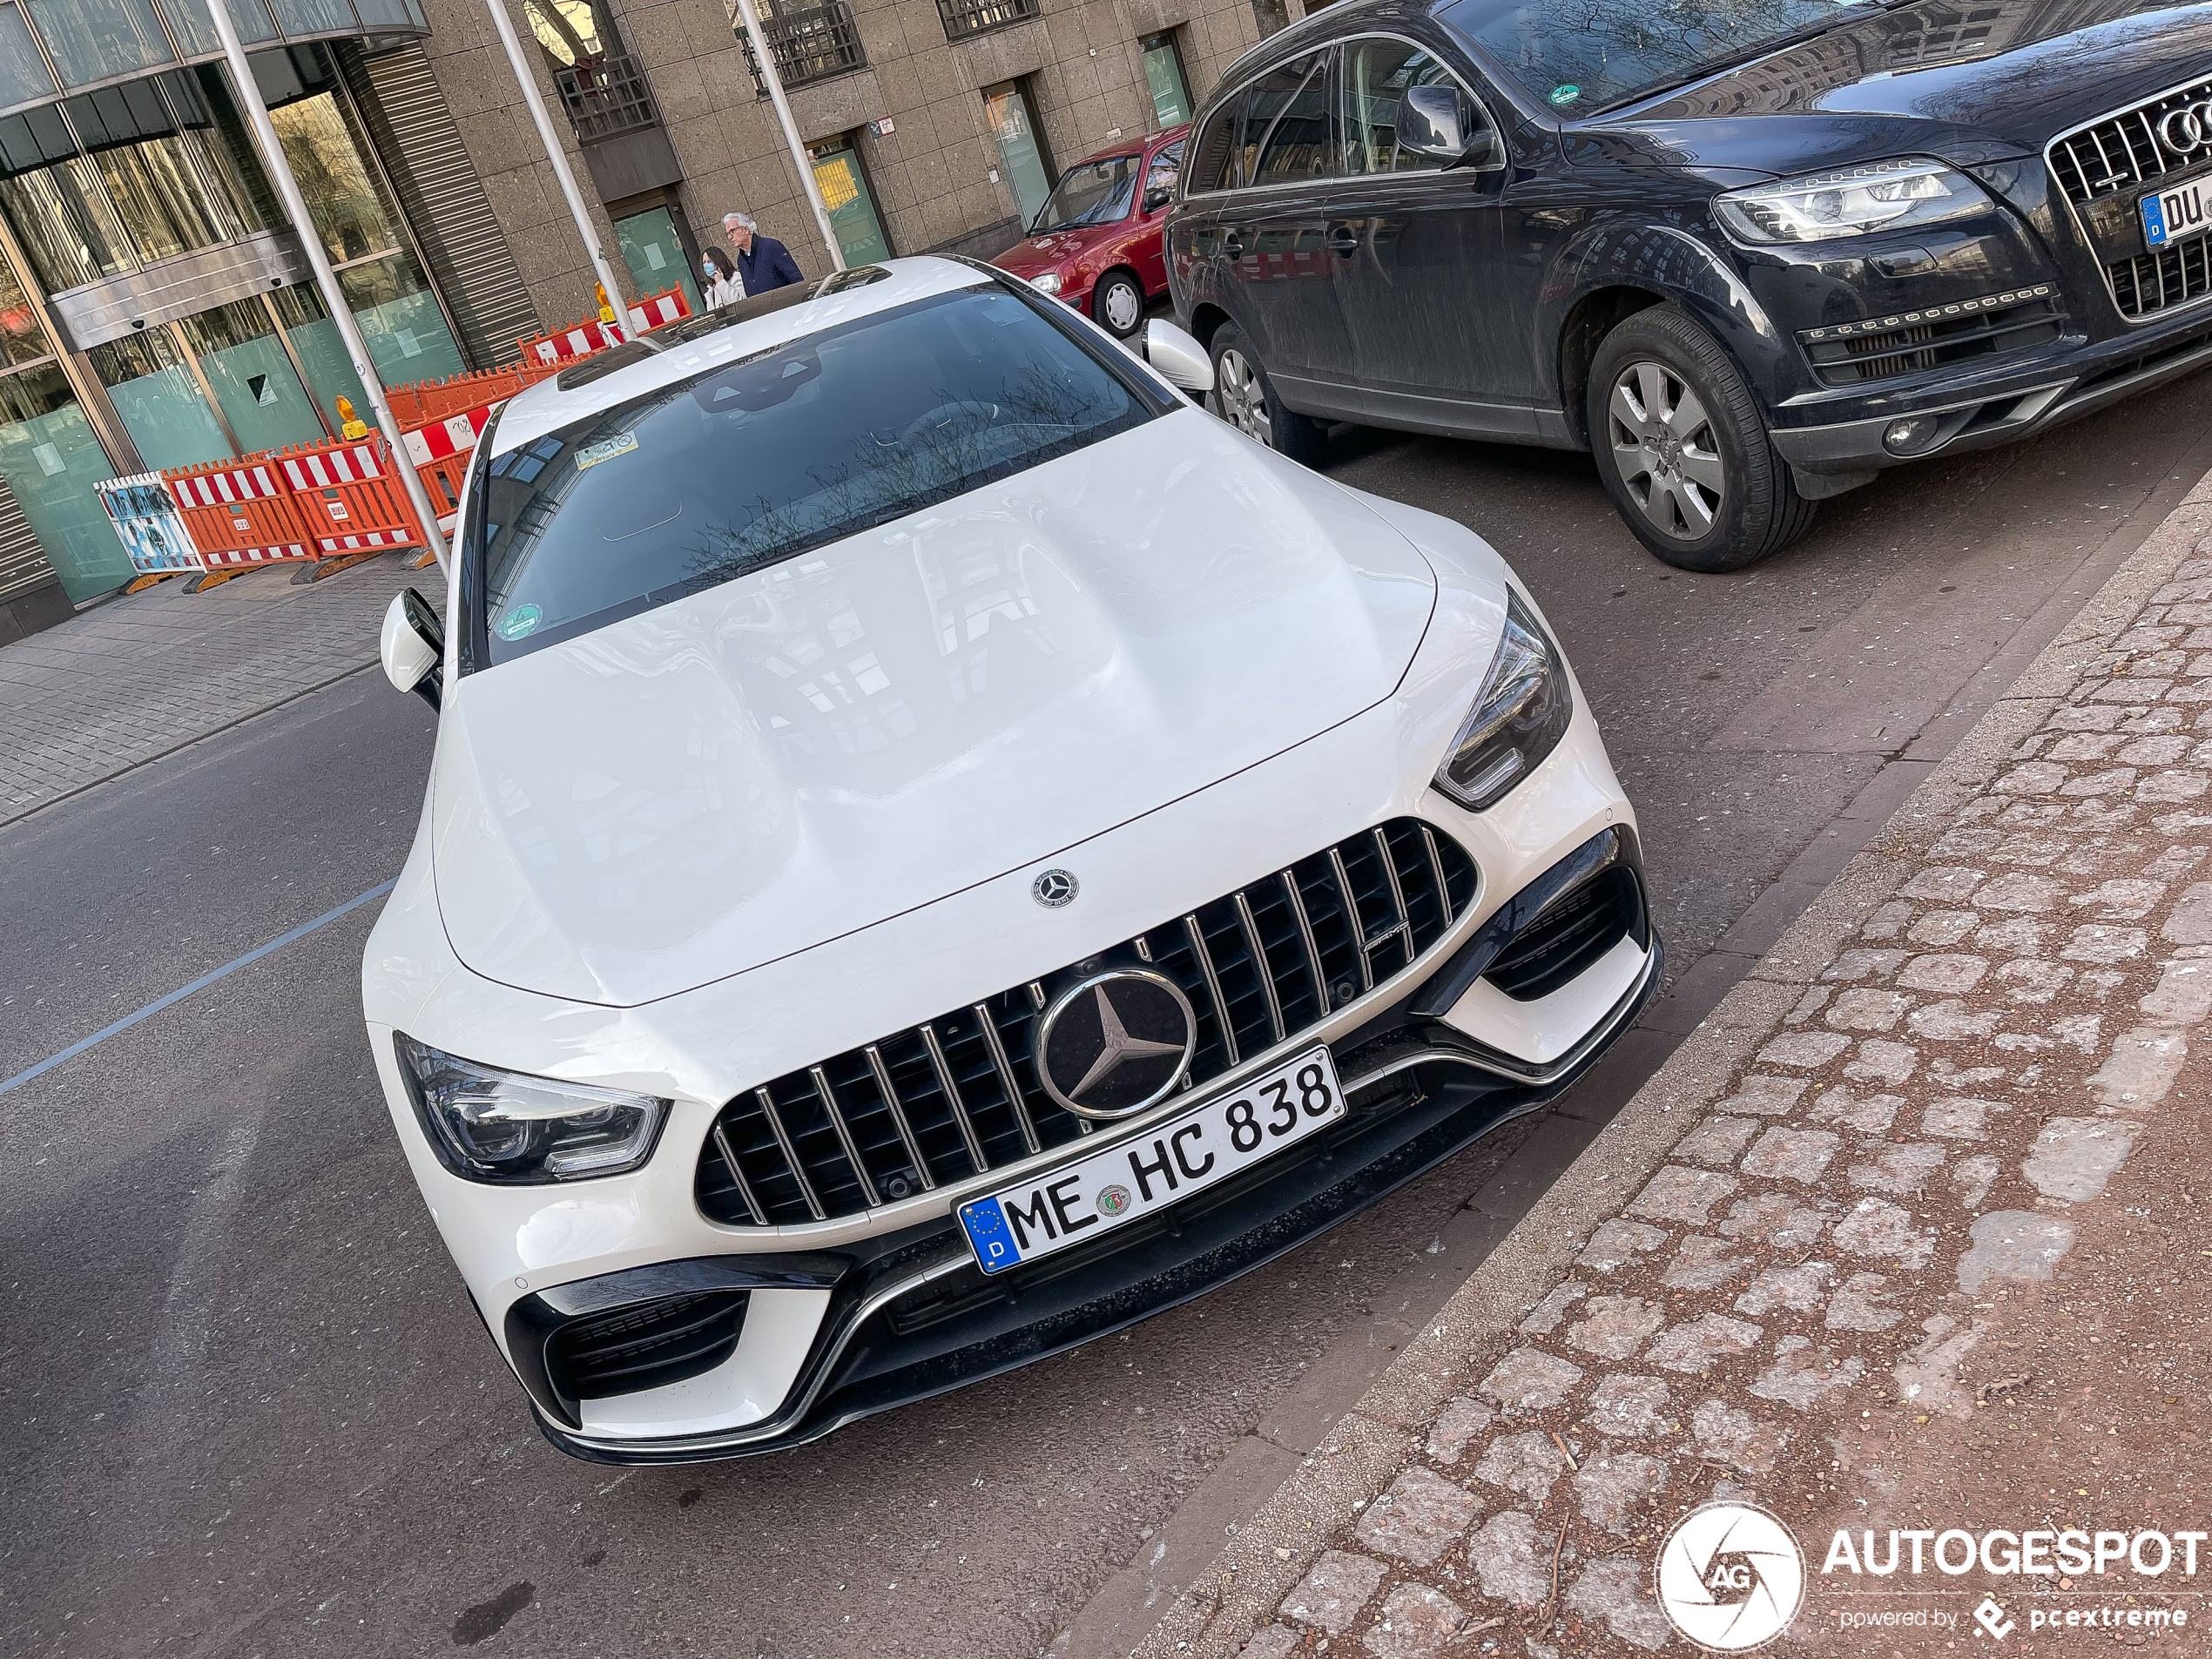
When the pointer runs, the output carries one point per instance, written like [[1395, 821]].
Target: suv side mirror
[[1441, 123], [414, 647], [1180, 359]]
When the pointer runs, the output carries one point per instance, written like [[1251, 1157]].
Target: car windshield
[[1582, 55], [707, 480], [1093, 193]]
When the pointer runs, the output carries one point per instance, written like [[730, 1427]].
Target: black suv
[[1748, 252]]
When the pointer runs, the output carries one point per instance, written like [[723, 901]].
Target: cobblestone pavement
[[1876, 1147], [132, 679]]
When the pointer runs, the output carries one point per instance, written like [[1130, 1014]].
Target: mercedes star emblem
[[1055, 888], [1116, 1043]]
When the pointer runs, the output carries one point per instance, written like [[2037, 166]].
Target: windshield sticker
[[592, 454], [1563, 96], [522, 620]]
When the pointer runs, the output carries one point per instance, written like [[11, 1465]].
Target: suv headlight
[[1048, 283], [1518, 717], [1851, 201], [510, 1129]]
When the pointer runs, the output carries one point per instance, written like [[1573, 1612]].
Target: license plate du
[[2177, 214], [1080, 1201]]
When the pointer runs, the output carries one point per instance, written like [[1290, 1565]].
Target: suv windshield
[[1092, 192], [1582, 55], [707, 480]]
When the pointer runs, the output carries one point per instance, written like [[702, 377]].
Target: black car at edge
[[1746, 251]]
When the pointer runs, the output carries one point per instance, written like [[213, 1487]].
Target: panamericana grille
[[2173, 275], [2123, 150], [1881, 348], [936, 1103], [648, 1345]]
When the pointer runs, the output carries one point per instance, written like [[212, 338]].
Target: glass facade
[[655, 254], [158, 399]]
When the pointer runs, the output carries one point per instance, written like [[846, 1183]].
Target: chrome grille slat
[[899, 1116], [770, 1161], [1259, 961], [844, 1133], [929, 1041], [791, 1153], [1005, 1068]]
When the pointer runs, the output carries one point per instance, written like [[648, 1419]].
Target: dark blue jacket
[[768, 265]]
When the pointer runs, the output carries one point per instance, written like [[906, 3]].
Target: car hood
[[703, 788], [2001, 79], [1040, 254]]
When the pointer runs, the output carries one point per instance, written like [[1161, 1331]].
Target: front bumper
[[911, 1316]]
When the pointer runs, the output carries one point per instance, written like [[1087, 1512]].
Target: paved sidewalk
[[1908, 1171], [132, 679]]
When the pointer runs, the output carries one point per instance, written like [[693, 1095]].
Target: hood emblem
[[1055, 888], [1116, 1043]]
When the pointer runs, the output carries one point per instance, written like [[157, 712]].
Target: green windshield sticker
[[592, 454], [1563, 96], [523, 619]]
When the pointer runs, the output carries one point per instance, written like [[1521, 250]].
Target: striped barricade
[[350, 498], [560, 345], [668, 306], [239, 514], [439, 451], [427, 400]]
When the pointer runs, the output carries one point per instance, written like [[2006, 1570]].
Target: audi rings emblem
[[2185, 130], [1055, 888]]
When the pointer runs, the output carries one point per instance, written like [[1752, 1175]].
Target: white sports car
[[937, 849]]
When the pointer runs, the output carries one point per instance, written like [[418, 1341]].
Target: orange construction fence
[[559, 346], [239, 512], [429, 401], [439, 451], [351, 499]]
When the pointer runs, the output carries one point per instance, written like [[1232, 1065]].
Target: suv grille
[[2122, 151], [2174, 275], [940, 1103], [1882, 347], [648, 1345]]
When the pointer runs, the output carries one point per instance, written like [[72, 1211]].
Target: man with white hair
[[763, 262]]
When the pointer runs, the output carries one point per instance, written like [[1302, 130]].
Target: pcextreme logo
[[1730, 1577]]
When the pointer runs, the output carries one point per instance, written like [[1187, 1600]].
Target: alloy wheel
[[1124, 305], [1244, 404], [1666, 450]]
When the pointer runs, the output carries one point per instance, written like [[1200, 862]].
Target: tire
[[1682, 450], [1117, 303], [1243, 396]]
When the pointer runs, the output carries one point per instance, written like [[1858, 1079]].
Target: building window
[[158, 399], [811, 42], [1023, 158], [964, 17], [51, 459], [23, 75], [334, 180], [653, 249], [91, 40], [603, 88], [844, 185], [1164, 77]]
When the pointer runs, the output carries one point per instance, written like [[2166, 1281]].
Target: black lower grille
[[647, 1346], [940, 1103], [2150, 283], [1884, 348], [1568, 935]]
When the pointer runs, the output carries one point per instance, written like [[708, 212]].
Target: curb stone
[[1319, 1505]]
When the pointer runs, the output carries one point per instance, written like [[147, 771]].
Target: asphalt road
[[248, 1411]]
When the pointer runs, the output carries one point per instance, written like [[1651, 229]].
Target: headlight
[[1048, 283], [1884, 195], [1518, 719], [503, 1127]]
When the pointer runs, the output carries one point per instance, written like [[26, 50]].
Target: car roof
[[683, 351], [1147, 144]]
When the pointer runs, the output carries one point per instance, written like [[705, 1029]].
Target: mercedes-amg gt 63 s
[[939, 849]]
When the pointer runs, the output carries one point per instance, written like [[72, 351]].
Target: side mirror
[[1155, 198], [1439, 122], [414, 647], [1182, 360]]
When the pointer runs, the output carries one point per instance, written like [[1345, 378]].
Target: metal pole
[[769, 73], [553, 153], [334, 297]]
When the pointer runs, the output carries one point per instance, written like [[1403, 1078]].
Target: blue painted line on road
[[199, 984]]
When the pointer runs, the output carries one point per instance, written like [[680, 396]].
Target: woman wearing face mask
[[720, 285]]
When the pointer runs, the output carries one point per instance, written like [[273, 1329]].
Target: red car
[[1095, 242]]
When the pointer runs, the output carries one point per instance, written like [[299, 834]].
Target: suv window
[[1216, 149], [1376, 75], [1285, 131]]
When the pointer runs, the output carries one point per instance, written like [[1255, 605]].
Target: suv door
[[1267, 239], [1438, 335]]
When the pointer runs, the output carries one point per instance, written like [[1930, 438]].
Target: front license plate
[[2177, 214], [1078, 1201]]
